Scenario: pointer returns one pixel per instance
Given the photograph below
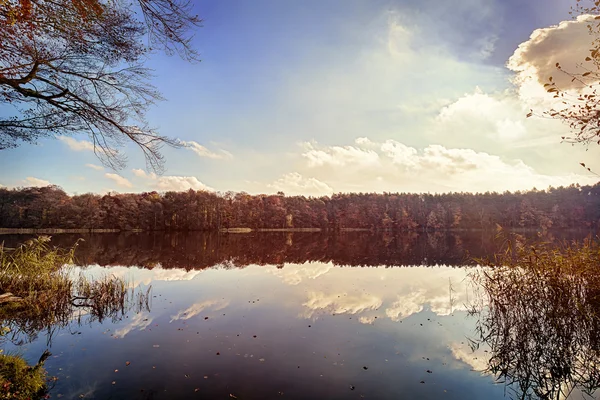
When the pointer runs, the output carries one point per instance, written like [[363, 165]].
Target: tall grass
[[45, 294], [539, 312]]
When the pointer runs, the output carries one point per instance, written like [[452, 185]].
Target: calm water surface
[[291, 316]]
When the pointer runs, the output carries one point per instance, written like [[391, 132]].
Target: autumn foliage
[[51, 207]]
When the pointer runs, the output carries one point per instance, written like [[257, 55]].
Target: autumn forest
[[50, 207]]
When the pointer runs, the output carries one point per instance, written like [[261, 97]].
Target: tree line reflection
[[202, 250], [357, 249]]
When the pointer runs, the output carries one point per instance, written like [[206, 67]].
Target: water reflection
[[310, 330], [197, 250], [540, 319]]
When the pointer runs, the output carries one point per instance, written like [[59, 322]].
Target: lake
[[281, 315]]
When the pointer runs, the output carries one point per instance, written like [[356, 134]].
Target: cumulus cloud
[[197, 308], [477, 360], [77, 145], [294, 275], [119, 180], [202, 151], [500, 117], [339, 156], [142, 174], [171, 183], [295, 184], [406, 305], [139, 322], [95, 167], [340, 303], [567, 43], [179, 183], [392, 165], [31, 181]]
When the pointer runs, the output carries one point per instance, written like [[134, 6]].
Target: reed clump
[[39, 290], [539, 313]]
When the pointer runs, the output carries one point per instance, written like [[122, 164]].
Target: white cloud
[[295, 184], [31, 181], [339, 156], [567, 43], [95, 167], [197, 308], [294, 275], [139, 322], [77, 145], [406, 305], [500, 117], [204, 152], [119, 180], [171, 183], [135, 276], [179, 183], [142, 174], [435, 168], [367, 320], [477, 360], [340, 302]]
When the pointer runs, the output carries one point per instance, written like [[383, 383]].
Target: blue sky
[[316, 97]]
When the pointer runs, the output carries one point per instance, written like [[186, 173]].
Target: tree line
[[50, 207]]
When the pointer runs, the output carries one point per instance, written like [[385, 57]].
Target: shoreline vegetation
[[40, 288], [39, 291], [538, 311], [50, 210]]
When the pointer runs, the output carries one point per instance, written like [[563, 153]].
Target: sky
[[321, 96]]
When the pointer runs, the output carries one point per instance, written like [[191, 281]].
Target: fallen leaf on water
[[365, 367], [127, 363], [114, 382], [197, 389], [232, 396]]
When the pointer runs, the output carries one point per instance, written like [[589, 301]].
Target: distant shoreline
[[29, 231], [56, 231]]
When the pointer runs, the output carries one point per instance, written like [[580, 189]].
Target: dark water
[[278, 315]]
